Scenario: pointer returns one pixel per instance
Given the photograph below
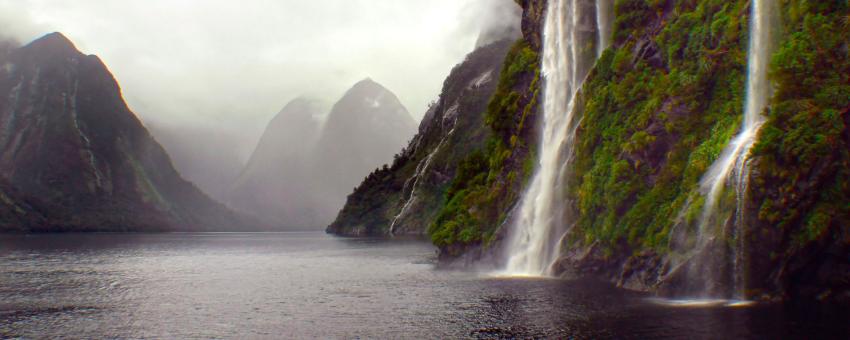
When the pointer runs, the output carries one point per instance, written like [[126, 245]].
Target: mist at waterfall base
[[713, 268], [717, 263], [311, 285]]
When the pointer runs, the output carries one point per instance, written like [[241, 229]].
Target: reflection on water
[[702, 302], [296, 285]]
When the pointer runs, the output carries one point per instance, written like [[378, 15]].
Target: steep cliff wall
[[490, 181], [799, 243], [657, 109]]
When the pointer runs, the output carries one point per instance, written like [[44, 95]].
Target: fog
[[220, 70]]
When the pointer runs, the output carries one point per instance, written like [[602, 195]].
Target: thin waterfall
[[732, 166], [605, 20], [571, 27], [418, 175]]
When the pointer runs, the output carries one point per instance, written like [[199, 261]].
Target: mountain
[[300, 172], [6, 47], [278, 182], [73, 157], [407, 195], [364, 130]]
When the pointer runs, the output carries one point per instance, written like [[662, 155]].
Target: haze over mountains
[[276, 183], [209, 157], [197, 75], [300, 173], [74, 157], [304, 186]]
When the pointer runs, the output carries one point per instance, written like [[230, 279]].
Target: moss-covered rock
[[799, 240], [489, 182]]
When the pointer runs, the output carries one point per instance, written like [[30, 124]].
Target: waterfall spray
[[732, 165], [570, 26]]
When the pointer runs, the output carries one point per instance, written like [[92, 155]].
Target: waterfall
[[570, 27], [419, 173], [604, 19], [732, 165]]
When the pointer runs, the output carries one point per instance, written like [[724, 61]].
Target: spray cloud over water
[[717, 265]]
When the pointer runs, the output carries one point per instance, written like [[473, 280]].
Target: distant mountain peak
[[55, 42], [300, 105], [368, 85], [375, 98]]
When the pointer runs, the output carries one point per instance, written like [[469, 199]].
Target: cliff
[[655, 112]]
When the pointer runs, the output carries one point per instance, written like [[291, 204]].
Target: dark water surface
[[308, 285]]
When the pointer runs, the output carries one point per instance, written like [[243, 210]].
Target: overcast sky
[[233, 64]]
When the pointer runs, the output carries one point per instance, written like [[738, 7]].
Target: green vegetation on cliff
[[489, 181], [803, 154], [659, 108]]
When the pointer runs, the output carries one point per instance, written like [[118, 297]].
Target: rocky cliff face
[[657, 109], [490, 181], [799, 203], [74, 158], [404, 198]]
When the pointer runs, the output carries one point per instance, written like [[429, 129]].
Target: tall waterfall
[[571, 34], [732, 165]]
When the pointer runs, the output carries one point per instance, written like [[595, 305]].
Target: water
[[570, 26], [605, 20], [732, 166], [310, 285]]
